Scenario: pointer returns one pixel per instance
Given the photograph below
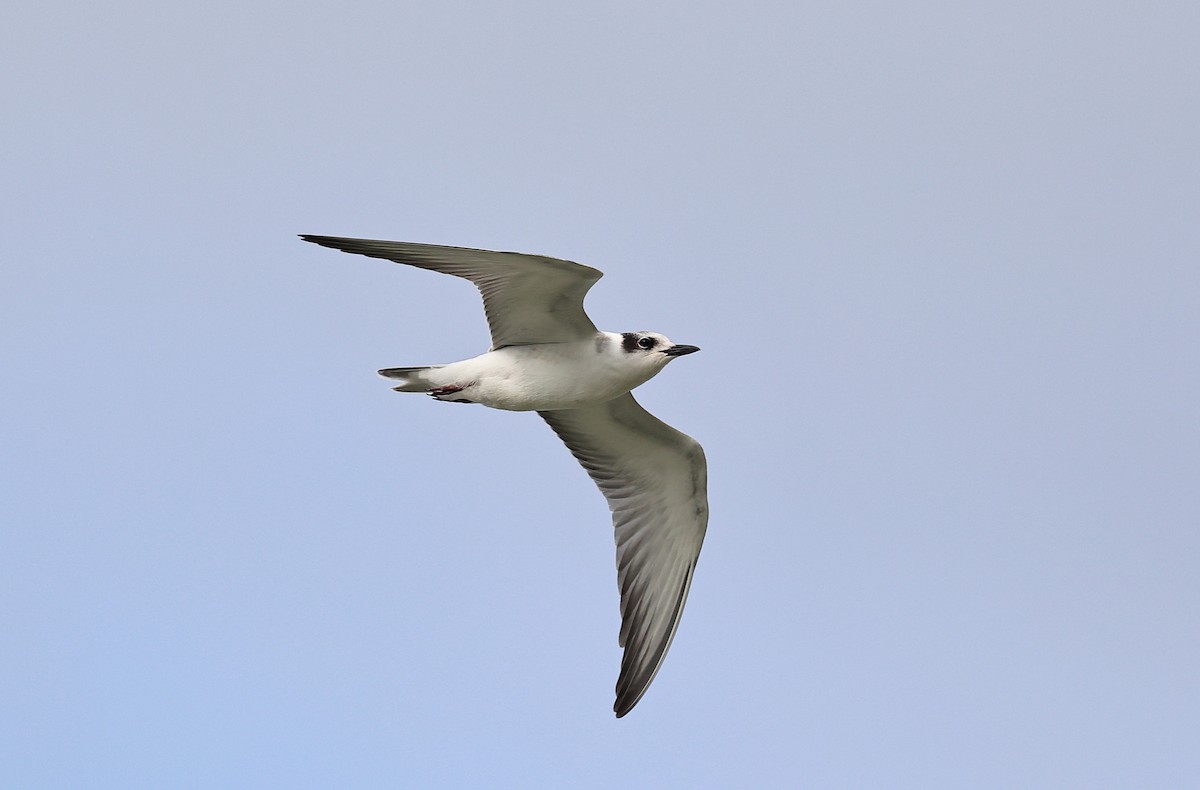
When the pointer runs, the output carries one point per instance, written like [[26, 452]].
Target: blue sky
[[943, 263]]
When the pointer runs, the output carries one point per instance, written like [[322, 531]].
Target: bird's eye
[[646, 342]]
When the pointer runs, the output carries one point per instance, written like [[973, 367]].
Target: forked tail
[[410, 379]]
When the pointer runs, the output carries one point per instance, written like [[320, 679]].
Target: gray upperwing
[[527, 298], [655, 480]]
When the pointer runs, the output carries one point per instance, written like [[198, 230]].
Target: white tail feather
[[411, 379]]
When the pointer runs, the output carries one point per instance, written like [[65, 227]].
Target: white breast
[[548, 376]]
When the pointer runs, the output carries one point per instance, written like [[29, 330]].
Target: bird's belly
[[541, 386]]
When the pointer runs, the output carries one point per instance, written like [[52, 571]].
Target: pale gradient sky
[[943, 261]]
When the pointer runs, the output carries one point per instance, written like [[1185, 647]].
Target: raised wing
[[527, 298], [656, 482]]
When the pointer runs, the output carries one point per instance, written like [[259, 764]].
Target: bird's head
[[651, 350]]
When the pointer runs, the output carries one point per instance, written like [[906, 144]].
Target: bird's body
[[547, 356], [539, 377]]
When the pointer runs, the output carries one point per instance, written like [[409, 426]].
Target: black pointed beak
[[680, 350]]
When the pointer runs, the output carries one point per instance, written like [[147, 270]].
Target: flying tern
[[547, 356]]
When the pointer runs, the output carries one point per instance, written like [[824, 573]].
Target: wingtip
[[627, 700], [332, 242]]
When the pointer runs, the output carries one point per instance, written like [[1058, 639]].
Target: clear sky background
[[943, 260]]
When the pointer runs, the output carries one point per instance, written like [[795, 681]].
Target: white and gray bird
[[547, 356]]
